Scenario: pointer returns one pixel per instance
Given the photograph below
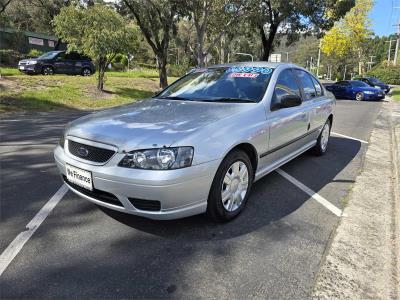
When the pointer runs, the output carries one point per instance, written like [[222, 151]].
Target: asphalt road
[[273, 250]]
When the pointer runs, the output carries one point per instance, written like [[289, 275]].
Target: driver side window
[[285, 85]]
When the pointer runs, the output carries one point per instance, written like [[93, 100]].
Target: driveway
[[273, 250]]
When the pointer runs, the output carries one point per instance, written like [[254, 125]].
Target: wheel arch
[[250, 150]]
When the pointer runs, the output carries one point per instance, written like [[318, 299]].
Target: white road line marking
[[338, 212], [349, 137], [16, 245]]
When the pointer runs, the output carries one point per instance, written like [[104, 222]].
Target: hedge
[[386, 74], [10, 58]]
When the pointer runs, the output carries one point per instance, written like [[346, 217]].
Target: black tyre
[[86, 72], [323, 139], [231, 187], [359, 96], [47, 70]]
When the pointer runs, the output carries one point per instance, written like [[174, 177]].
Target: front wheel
[[231, 187], [47, 70], [323, 139], [359, 96]]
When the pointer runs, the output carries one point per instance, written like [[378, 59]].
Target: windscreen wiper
[[173, 98], [230, 100]]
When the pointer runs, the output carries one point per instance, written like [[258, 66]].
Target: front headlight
[[31, 62], [377, 87], [369, 92], [159, 158]]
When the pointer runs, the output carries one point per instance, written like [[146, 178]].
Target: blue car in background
[[356, 90]]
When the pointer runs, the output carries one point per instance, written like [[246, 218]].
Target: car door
[[60, 63], [287, 126], [76, 63], [310, 103]]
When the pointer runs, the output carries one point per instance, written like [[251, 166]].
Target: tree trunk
[[100, 77], [267, 42], [162, 71]]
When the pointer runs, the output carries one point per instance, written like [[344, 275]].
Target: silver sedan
[[200, 144]]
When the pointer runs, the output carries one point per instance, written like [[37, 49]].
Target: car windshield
[[359, 83], [49, 55], [223, 84]]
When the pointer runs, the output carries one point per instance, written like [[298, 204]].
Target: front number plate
[[21, 67], [80, 177]]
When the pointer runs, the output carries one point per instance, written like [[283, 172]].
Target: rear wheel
[[86, 72], [359, 96], [231, 187], [47, 70], [323, 139]]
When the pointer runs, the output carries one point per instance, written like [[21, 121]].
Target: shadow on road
[[272, 199]]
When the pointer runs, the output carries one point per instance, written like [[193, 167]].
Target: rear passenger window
[[318, 87], [285, 85], [306, 83], [73, 56]]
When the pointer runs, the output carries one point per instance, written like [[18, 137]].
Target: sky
[[384, 15]]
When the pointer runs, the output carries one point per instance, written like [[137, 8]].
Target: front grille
[[91, 153], [95, 194], [150, 205]]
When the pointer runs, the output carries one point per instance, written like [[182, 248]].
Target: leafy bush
[[116, 66], [34, 53], [118, 58], [176, 70], [10, 57], [386, 74]]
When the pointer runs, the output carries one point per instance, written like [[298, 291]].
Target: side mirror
[[290, 101]]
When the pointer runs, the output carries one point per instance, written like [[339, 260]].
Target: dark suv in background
[[371, 81], [58, 62]]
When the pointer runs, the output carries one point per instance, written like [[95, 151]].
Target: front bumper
[[181, 192], [374, 97], [30, 69]]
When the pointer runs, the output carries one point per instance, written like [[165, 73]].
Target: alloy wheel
[[86, 72], [48, 71]]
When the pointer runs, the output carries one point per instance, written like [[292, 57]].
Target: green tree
[[292, 18], [157, 21], [350, 34], [97, 31], [211, 20]]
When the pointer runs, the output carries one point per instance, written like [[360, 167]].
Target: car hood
[[151, 123]]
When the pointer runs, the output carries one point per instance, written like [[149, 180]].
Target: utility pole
[[390, 49], [370, 62], [396, 52], [319, 57], [287, 55]]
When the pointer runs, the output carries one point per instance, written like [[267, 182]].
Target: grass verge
[[396, 94], [23, 92]]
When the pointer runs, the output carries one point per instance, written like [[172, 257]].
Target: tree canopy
[[350, 34], [97, 31]]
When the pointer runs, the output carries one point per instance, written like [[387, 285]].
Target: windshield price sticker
[[244, 75], [253, 70]]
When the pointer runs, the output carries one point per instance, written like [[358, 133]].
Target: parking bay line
[[338, 212], [349, 137], [16, 245]]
